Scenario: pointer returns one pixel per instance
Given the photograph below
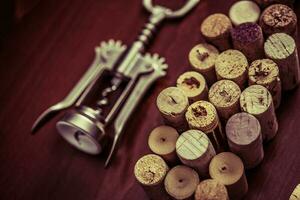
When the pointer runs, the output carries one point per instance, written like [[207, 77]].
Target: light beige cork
[[194, 149], [181, 182], [150, 172], [281, 48], [202, 58], [265, 72], [162, 141], [232, 65], [172, 104], [211, 189], [228, 169], [216, 29], [244, 137], [225, 95], [194, 86], [257, 100], [296, 193]]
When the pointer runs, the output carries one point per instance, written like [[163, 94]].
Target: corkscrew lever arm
[[75, 93]]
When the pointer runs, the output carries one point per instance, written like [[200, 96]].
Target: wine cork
[[279, 18], [244, 137], [265, 72], [244, 11], [265, 3], [211, 189], [248, 38], [162, 141], [202, 58], [228, 169], [232, 65], [150, 172], [193, 85], [181, 182], [203, 116], [257, 100], [225, 96], [172, 104], [216, 29], [282, 49], [194, 149], [296, 193]]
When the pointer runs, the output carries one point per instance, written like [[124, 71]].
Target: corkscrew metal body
[[118, 78]]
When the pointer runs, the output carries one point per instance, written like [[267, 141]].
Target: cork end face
[[192, 83], [162, 140], [263, 72], [202, 57], [150, 170], [243, 129], [278, 18], [192, 144], [296, 193], [247, 33], [202, 115], [172, 101], [244, 11], [226, 167], [181, 182], [231, 64], [255, 99], [224, 93], [279, 46], [215, 25], [211, 189]]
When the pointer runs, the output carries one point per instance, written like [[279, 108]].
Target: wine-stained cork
[[225, 96], [232, 65], [296, 193], [194, 86], [257, 100], [162, 141], [244, 11], [202, 115], [279, 18], [244, 137], [282, 49], [172, 104], [181, 182], [150, 172], [228, 169], [194, 149], [216, 29], [265, 72], [211, 189], [202, 58], [248, 38]]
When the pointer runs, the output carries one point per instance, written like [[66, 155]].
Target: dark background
[[44, 54]]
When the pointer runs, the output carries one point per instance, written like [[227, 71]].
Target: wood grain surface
[[45, 55]]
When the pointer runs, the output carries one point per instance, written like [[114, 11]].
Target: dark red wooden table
[[44, 56]]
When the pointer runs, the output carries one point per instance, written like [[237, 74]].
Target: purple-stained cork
[[248, 38]]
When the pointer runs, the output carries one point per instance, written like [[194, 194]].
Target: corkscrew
[[118, 78]]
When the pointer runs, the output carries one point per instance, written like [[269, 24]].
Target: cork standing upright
[[202, 58], [172, 104], [150, 172], [194, 149], [282, 49]]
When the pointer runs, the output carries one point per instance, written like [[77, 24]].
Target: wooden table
[[45, 55]]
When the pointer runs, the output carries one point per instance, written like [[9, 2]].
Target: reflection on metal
[[118, 78]]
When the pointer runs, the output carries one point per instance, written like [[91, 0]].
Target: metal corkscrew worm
[[121, 76]]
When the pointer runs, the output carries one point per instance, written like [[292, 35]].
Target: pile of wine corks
[[220, 112]]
